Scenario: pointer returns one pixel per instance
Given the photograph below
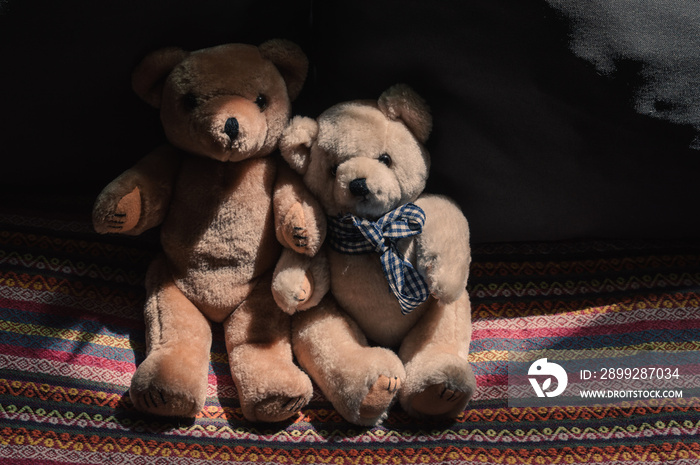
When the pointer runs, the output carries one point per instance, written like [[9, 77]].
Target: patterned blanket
[[71, 336]]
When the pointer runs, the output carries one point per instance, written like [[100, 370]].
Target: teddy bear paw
[[292, 290], [444, 283], [304, 291], [296, 232], [380, 396], [440, 399], [122, 217]]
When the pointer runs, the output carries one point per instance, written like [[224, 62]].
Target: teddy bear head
[[363, 157], [230, 102]]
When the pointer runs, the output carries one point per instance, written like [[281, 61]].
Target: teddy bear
[[226, 204], [397, 320]]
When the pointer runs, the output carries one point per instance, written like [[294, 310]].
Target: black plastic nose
[[358, 187], [231, 128]]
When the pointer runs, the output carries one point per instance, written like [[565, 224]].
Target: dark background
[[532, 141]]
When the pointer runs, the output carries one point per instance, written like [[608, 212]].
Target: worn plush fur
[[347, 340], [224, 205]]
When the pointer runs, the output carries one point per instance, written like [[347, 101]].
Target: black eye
[[385, 159], [261, 102], [334, 170], [189, 101]]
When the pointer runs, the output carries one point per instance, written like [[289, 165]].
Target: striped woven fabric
[[71, 336]]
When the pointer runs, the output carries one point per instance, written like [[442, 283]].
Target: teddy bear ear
[[291, 62], [149, 76], [400, 102], [296, 141]]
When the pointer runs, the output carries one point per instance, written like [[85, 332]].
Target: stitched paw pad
[[439, 399], [122, 217], [163, 403], [279, 408], [295, 230], [380, 396]]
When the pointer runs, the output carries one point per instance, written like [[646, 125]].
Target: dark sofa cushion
[[69, 121], [528, 138]]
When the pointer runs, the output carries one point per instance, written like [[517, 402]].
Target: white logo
[[542, 367]]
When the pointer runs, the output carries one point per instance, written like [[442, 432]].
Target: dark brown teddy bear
[[224, 206]]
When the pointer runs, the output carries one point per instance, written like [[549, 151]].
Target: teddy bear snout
[[236, 126], [364, 187], [358, 187]]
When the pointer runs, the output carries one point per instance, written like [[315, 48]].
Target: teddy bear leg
[[172, 380], [360, 381], [439, 378], [270, 386]]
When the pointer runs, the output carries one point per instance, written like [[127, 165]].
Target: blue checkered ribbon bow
[[350, 234]]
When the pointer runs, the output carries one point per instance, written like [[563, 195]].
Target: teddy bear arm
[[443, 254], [138, 199], [300, 223]]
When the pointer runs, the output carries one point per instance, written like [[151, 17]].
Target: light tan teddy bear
[[398, 319], [223, 205]]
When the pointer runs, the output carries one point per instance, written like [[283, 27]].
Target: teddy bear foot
[[379, 397], [270, 389], [164, 403], [439, 400], [164, 395], [279, 408], [164, 385]]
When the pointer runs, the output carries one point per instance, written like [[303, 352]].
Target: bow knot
[[350, 234]]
